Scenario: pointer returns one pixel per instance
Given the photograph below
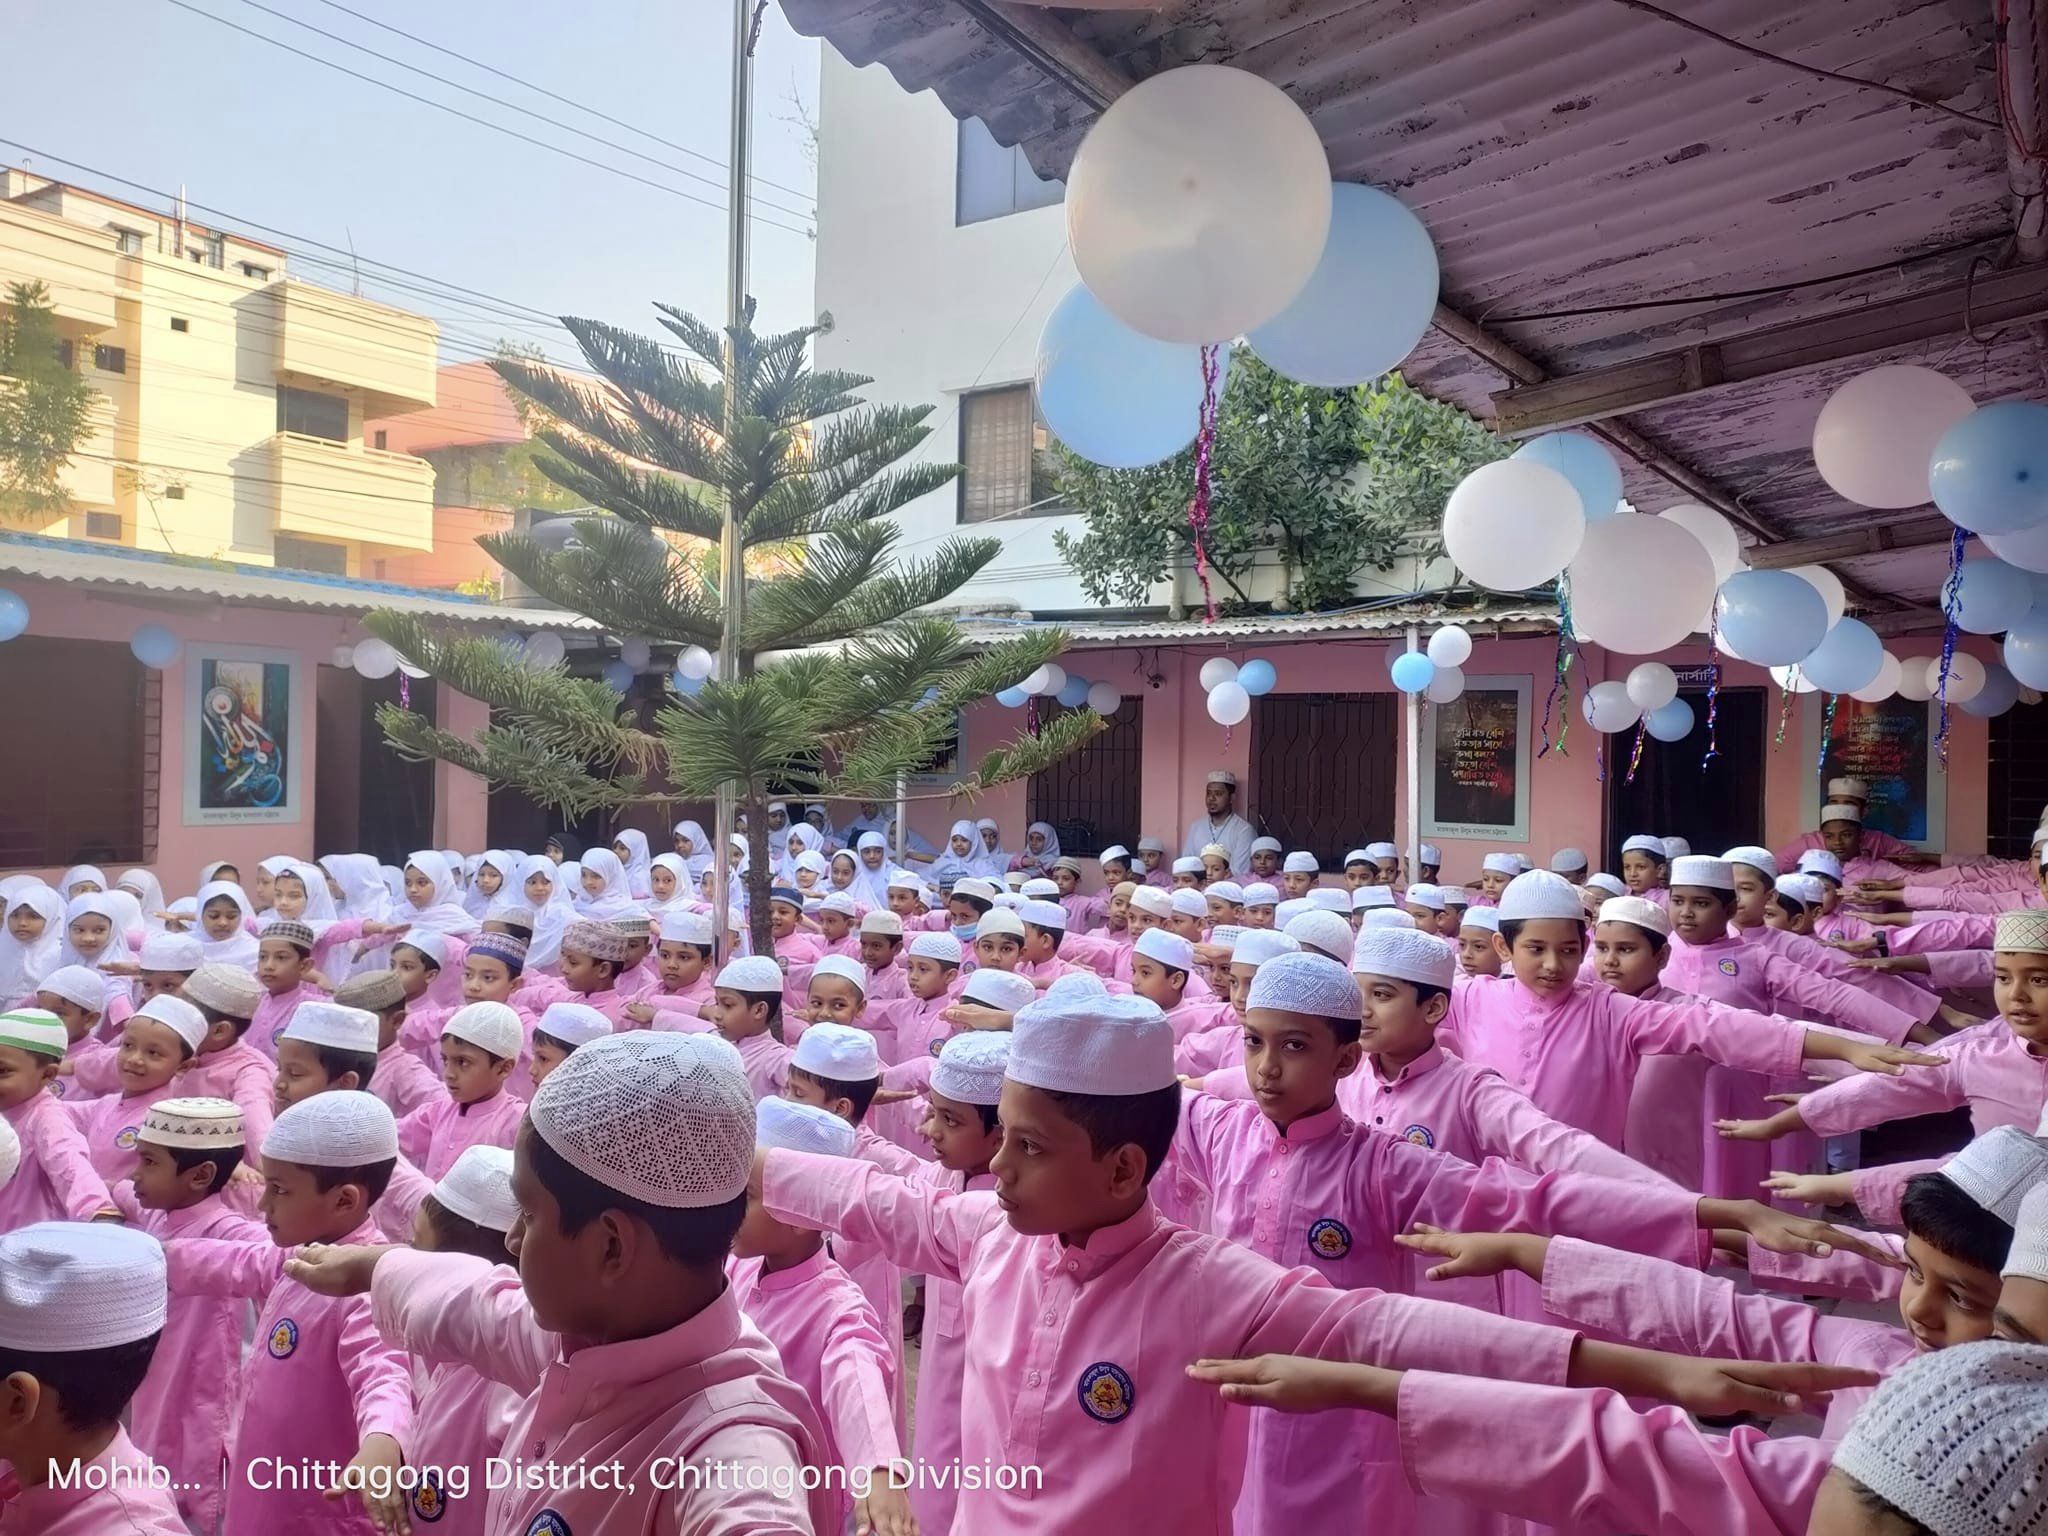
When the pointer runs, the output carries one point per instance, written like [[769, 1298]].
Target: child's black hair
[[703, 950], [458, 1234], [1793, 906], [1055, 934], [225, 1161], [701, 1238], [860, 1090], [1424, 992], [374, 1177], [988, 1117], [235, 867], [215, 1016], [980, 904], [334, 1062], [615, 966], [426, 959], [1898, 1522], [774, 1002], [1149, 1119], [1511, 929], [542, 1037], [1935, 1210], [93, 1386]]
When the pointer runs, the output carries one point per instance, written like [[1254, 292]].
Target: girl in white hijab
[[82, 880], [698, 856], [93, 939], [631, 847], [299, 892], [267, 870], [871, 880], [488, 883], [148, 891], [957, 860], [991, 858], [430, 895], [363, 896], [802, 838], [544, 886], [210, 870], [809, 871], [672, 891], [29, 953], [224, 935], [605, 894], [1041, 848]]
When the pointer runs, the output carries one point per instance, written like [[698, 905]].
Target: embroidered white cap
[[1423, 894], [1152, 899], [1382, 851], [1501, 864], [942, 947], [1227, 890], [973, 886], [750, 973], [1226, 935], [1075, 984], [342, 1128], [1570, 862], [78, 985], [1709, 874], [1406, 956], [1848, 789], [1633, 909], [1289, 910], [971, 1065], [1223, 776], [434, 946], [1255, 946], [884, 925], [1366, 897], [1187, 864], [1456, 895], [1005, 990], [1300, 862], [686, 928], [1114, 852], [1188, 903], [837, 1051], [333, 1025], [492, 1027], [192, 1124], [1151, 845], [171, 952], [1613, 885], [1676, 848], [1327, 933], [1429, 854], [1642, 842], [1039, 890], [1111, 1045], [1267, 845], [1998, 1168], [2028, 1256], [1386, 917], [1261, 893], [780, 1124], [227, 989], [574, 1024], [1169, 949], [69, 1286], [846, 968], [1305, 983], [1357, 856], [1830, 813], [998, 921], [478, 1187], [176, 1015], [1539, 894], [840, 902]]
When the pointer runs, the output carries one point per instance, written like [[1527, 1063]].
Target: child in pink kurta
[[479, 1048], [55, 1180]]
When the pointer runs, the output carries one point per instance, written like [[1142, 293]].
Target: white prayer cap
[[1696, 869], [1115, 851], [176, 1015], [1223, 776], [884, 925], [1540, 894], [1386, 917], [1643, 843], [837, 1051], [35, 1030], [428, 943], [1188, 903], [1152, 899], [333, 1025], [1849, 789], [521, 912], [1005, 990], [1455, 896], [1405, 955], [1366, 897], [999, 920], [1261, 893], [1502, 864], [1613, 885], [478, 1187], [1300, 862], [686, 927], [1039, 890], [846, 968], [68, 1286], [2021, 932], [1830, 813], [1380, 851], [980, 889], [971, 1065], [1188, 864], [1569, 861], [492, 1027], [1327, 898], [657, 1116], [1357, 856], [1805, 889], [1818, 861], [1956, 1440], [1226, 935], [1429, 853], [1481, 917], [192, 1124], [342, 1128], [1077, 984], [2028, 1257], [1289, 910], [790, 1127], [1266, 845], [1008, 901], [76, 984], [1151, 845], [1168, 949], [1998, 1168], [1255, 946], [1305, 983], [904, 880], [1045, 914], [227, 989], [942, 947], [750, 973], [1325, 932], [1114, 1046], [1423, 894], [574, 1024], [1753, 857], [171, 952], [1633, 909], [1228, 890], [838, 901]]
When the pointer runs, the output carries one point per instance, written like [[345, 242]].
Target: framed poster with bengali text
[[1475, 762], [1889, 746], [245, 732]]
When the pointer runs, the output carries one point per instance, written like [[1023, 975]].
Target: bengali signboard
[[1889, 746], [1475, 778]]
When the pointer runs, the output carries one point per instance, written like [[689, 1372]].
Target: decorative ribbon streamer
[[1635, 753], [1564, 718], [1713, 690], [1827, 732], [1031, 716], [1600, 758], [1562, 666], [1951, 595], [1198, 504], [404, 691], [1784, 707]]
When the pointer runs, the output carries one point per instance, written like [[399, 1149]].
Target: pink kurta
[[404, 1082], [1984, 900], [240, 1073], [1877, 844], [274, 1012], [56, 1180], [441, 1130], [920, 1025], [1902, 992], [708, 1392], [128, 1506], [461, 1421], [109, 1126], [1954, 930], [766, 1063], [941, 1366]]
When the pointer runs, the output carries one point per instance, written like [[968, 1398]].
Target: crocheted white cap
[[659, 1117], [2024, 932], [1261, 893], [1188, 903], [1289, 910], [1328, 898], [1642, 842], [790, 1127], [1761, 859], [998, 921], [1423, 894], [1386, 917], [1806, 889], [1325, 932], [333, 1025], [1305, 983], [1039, 890], [1300, 862], [1267, 845], [75, 1285], [1998, 1168], [171, 952], [1852, 789], [1957, 1439], [1613, 885], [886, 925], [837, 1051], [510, 912], [1366, 897], [1378, 851], [342, 1128], [1187, 864], [1697, 869], [1110, 1045], [846, 968], [1633, 909], [1226, 935], [36, 1030], [1167, 948], [1255, 946], [750, 973], [999, 989], [973, 886], [686, 928], [971, 1065], [1569, 862], [840, 902], [76, 984], [1045, 914], [1406, 956], [1456, 895], [1228, 890], [225, 989], [1830, 813], [1818, 861], [574, 1024], [1540, 894], [197, 1124], [1153, 899], [1115, 851], [478, 1187], [942, 947], [492, 1027], [1501, 864], [1481, 917], [1429, 853], [176, 1015], [2028, 1256]]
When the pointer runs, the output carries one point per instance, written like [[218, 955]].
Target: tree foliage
[[845, 679], [45, 408], [1333, 481]]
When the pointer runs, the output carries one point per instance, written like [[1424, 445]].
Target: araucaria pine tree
[[846, 678]]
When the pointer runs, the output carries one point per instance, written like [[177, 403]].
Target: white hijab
[[148, 891], [685, 897], [81, 872], [989, 863], [699, 856], [363, 896], [443, 912], [949, 866], [320, 913], [116, 949], [636, 862], [810, 839], [239, 947], [22, 966], [614, 898], [476, 903], [552, 915]]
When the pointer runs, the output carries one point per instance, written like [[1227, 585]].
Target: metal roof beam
[[2023, 53]]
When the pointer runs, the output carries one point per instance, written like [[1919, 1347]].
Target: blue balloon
[[689, 687], [1368, 302], [1771, 618], [13, 614], [928, 698], [1257, 676], [1012, 698], [2026, 650], [1989, 472], [154, 646], [2000, 692], [1073, 692], [1850, 657], [1585, 462], [1670, 722], [1118, 398], [617, 676], [1992, 596], [1413, 672]]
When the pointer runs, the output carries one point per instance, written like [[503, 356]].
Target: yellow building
[[233, 396]]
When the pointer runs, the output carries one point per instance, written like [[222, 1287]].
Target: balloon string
[[1564, 727], [1713, 691], [404, 691], [1827, 732], [1635, 755], [1564, 627], [1784, 706], [1031, 716], [1600, 758], [1951, 602], [1198, 504]]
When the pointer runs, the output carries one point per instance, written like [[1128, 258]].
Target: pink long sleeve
[[1871, 1098], [1955, 931], [1837, 1002], [207, 1266], [858, 1406], [921, 1230], [378, 1374], [1847, 1275], [1510, 1126], [1956, 898], [1734, 1037], [451, 1306], [1880, 1192], [1960, 970], [96, 1067]]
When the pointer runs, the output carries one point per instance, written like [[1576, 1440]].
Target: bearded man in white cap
[[1221, 824]]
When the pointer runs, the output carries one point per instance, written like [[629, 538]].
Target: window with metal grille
[[1323, 771], [180, 323], [309, 555], [127, 241], [1005, 453], [312, 414], [86, 806], [995, 179], [110, 359], [103, 525], [2016, 782], [1091, 796]]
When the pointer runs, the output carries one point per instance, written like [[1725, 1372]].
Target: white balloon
[[1715, 533], [1448, 683], [1793, 678], [1966, 677], [1608, 708], [544, 648], [1104, 699], [1513, 524], [374, 658], [1876, 434], [343, 656], [1450, 646], [1640, 584], [1885, 684], [409, 669], [1048, 679], [696, 663], [1916, 681], [636, 652], [1229, 704], [1199, 204], [1218, 669], [1828, 585], [1651, 686]]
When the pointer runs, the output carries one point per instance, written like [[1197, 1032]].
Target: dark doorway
[[1090, 796], [1323, 770], [2017, 786], [1718, 806], [386, 807]]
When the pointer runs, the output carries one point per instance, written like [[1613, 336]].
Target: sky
[[150, 91]]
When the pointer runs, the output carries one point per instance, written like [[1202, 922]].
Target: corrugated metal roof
[[1278, 628]]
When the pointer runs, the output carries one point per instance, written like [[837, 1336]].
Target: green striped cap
[[36, 1030]]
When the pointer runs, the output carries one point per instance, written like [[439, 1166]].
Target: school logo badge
[[284, 1339], [1730, 968], [1329, 1238], [125, 1137], [1107, 1395], [429, 1503], [1420, 1134], [547, 1523], [939, 1044]]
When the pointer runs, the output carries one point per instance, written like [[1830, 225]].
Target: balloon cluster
[[155, 647], [1437, 671], [1069, 688], [1647, 696], [1232, 686], [13, 614]]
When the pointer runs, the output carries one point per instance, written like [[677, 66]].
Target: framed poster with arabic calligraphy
[[245, 736], [1475, 762], [1890, 747]]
